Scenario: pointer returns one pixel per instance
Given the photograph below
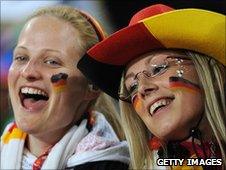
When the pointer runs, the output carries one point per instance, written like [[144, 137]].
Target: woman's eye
[[52, 62], [20, 58], [133, 88], [158, 69]]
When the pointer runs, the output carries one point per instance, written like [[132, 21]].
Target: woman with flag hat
[[167, 68]]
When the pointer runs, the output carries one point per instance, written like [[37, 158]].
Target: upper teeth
[[161, 102], [29, 90]]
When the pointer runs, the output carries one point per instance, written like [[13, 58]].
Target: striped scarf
[[77, 146]]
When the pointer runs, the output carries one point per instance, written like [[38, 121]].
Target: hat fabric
[[155, 27]]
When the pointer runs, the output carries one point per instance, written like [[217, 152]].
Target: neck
[[206, 131], [39, 144]]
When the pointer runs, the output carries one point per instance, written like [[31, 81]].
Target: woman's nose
[[146, 86], [30, 72]]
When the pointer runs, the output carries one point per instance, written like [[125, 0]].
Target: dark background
[[121, 11]]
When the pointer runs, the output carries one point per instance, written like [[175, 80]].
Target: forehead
[[47, 30]]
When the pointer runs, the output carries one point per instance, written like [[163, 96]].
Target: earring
[[180, 71]]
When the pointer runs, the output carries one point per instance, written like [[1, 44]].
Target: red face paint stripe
[[178, 82], [60, 83], [184, 89], [183, 85]]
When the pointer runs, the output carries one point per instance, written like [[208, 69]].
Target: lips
[[33, 99], [158, 104]]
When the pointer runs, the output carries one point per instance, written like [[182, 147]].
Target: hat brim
[[192, 29]]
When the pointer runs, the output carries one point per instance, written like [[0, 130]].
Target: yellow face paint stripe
[[176, 30], [184, 89], [137, 104], [59, 88]]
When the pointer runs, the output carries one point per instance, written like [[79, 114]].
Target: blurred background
[[113, 15]]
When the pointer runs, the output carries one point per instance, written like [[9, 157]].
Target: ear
[[92, 92]]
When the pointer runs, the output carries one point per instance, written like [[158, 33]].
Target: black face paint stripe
[[180, 79], [61, 76]]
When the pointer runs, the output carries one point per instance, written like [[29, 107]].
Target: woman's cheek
[[59, 82], [137, 104]]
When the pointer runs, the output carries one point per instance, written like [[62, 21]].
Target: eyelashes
[[133, 87], [52, 62]]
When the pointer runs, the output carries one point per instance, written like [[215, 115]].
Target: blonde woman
[[58, 120], [167, 68]]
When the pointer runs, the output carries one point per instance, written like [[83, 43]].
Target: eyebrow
[[129, 75], [18, 47], [149, 59], [46, 49], [146, 62], [179, 56]]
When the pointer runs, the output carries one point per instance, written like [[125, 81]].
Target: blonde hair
[[212, 77], [109, 107], [136, 134], [90, 33]]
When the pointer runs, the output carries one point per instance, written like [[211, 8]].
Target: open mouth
[[160, 104], [33, 99]]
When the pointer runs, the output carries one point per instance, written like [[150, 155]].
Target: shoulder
[[102, 165]]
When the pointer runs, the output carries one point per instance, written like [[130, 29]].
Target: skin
[[41, 52], [174, 121]]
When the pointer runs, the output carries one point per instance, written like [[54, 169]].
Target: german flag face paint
[[179, 83], [59, 81], [136, 101]]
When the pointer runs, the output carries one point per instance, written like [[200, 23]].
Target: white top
[[28, 159]]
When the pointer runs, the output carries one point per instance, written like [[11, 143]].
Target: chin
[[27, 126], [172, 133], [176, 136]]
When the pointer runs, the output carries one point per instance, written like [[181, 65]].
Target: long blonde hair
[[136, 134], [212, 77], [90, 31]]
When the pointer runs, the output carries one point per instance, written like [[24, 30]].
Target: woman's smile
[[159, 104], [33, 99]]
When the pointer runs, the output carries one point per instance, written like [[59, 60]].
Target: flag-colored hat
[[155, 27]]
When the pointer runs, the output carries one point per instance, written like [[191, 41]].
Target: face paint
[[179, 83], [137, 103], [59, 81]]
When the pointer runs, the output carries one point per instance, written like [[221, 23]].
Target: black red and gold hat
[[155, 27]]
